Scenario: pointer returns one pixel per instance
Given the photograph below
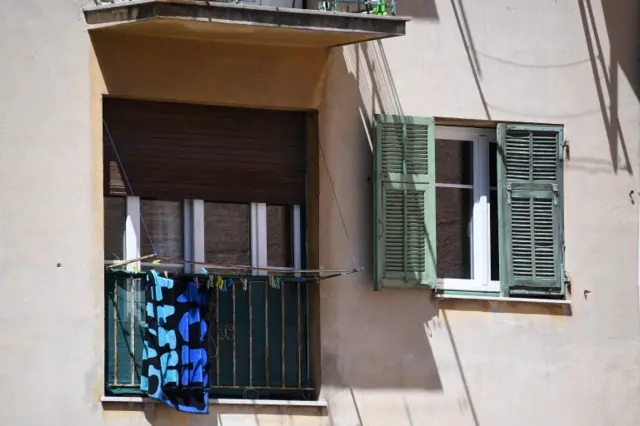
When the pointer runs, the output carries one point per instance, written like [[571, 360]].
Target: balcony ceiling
[[236, 23]]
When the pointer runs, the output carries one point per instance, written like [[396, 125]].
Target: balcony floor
[[235, 23]]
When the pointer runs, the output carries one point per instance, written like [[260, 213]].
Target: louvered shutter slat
[[404, 194], [532, 237]]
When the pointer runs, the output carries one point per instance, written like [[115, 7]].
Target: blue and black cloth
[[174, 361]]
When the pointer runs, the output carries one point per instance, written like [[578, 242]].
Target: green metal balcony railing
[[373, 7], [370, 7], [257, 339]]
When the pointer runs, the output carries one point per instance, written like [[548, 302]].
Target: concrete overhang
[[224, 22]]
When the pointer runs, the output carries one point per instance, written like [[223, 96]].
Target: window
[[257, 335], [464, 210], [469, 210]]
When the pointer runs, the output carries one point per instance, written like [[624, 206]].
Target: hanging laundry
[[174, 361]]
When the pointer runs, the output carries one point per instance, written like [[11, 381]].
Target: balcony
[[257, 337], [309, 23]]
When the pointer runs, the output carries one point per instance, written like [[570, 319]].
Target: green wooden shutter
[[404, 197], [530, 179]]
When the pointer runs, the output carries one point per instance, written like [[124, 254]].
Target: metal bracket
[[565, 150]]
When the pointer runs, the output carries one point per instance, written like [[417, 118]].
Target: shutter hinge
[[509, 193], [565, 277], [555, 194], [565, 152]]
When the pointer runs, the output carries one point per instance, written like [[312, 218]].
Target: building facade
[[469, 172]]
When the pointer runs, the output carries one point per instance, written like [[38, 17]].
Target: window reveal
[[261, 331]]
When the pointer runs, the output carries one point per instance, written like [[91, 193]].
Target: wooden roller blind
[[172, 151]]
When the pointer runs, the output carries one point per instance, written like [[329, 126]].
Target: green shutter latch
[[555, 194]]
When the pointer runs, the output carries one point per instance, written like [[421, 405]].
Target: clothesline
[[239, 268], [155, 258]]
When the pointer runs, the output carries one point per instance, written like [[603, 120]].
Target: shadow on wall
[[472, 56], [370, 340], [417, 9], [623, 32], [136, 414], [135, 66]]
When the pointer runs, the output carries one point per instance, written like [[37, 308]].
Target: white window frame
[[193, 228], [480, 254], [259, 241]]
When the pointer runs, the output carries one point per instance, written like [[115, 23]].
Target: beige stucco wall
[[388, 358], [393, 357]]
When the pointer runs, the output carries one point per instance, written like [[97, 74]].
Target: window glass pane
[[495, 240], [115, 217], [163, 221], [453, 215], [279, 236], [454, 162], [493, 212], [493, 164], [227, 233]]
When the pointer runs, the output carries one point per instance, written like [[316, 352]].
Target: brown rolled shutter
[[172, 151]]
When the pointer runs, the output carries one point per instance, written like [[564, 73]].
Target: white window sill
[[250, 402], [506, 299]]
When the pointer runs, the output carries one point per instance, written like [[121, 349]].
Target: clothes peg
[[228, 283], [205, 272]]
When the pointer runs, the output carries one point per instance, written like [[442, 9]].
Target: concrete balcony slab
[[237, 23]]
